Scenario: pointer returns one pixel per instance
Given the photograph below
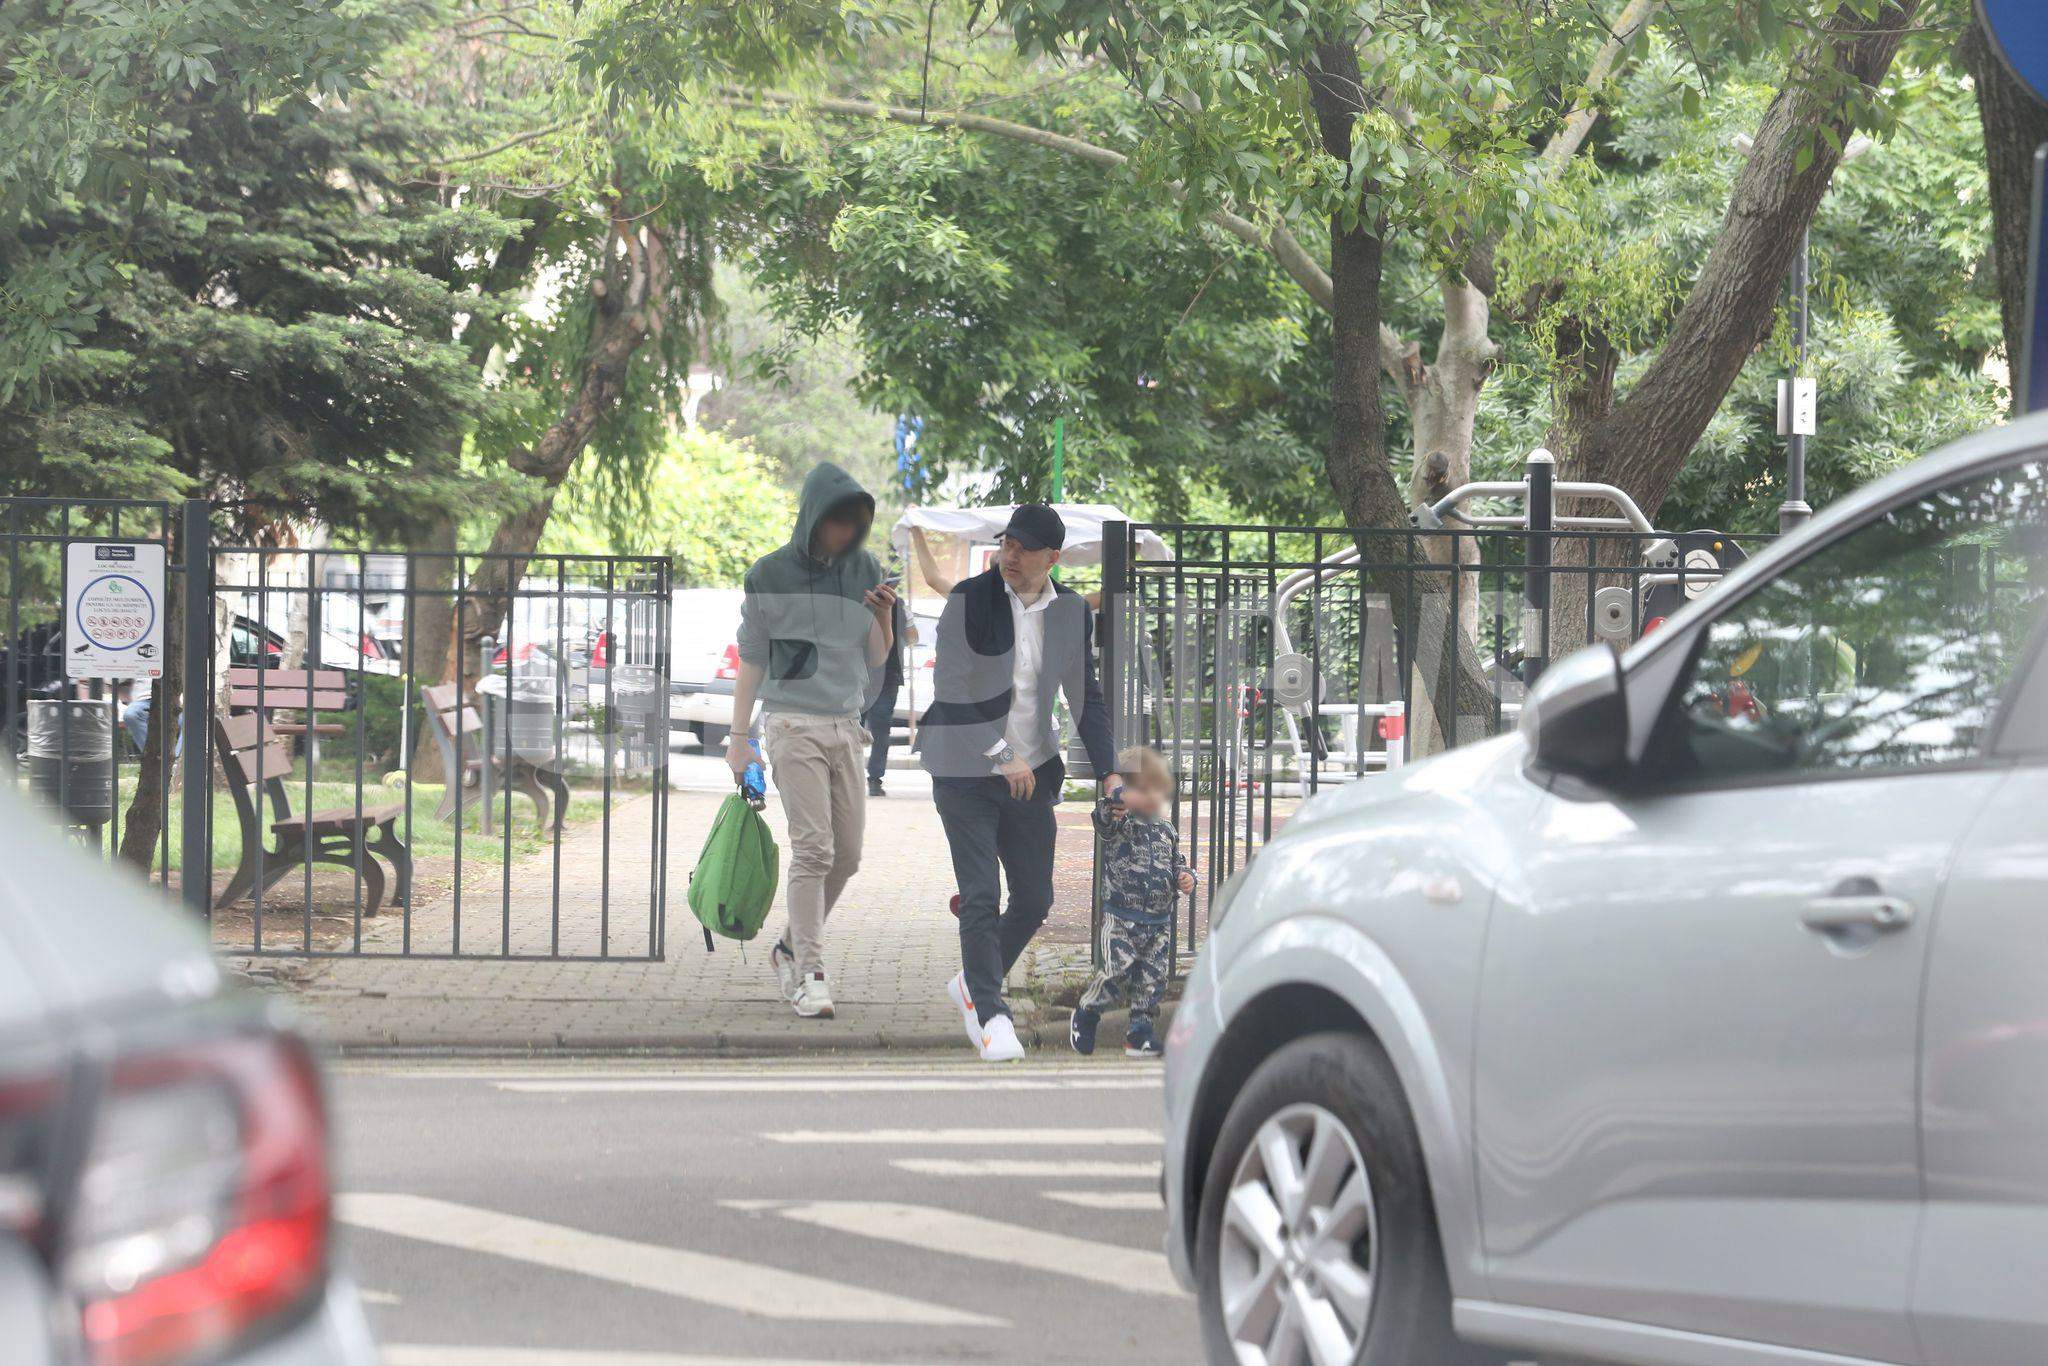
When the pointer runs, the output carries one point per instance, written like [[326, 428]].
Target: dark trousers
[[987, 828], [879, 719]]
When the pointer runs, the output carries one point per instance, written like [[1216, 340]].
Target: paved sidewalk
[[890, 948]]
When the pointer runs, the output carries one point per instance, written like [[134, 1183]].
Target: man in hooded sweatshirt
[[815, 626]]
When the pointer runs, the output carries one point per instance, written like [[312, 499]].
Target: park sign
[[113, 609]]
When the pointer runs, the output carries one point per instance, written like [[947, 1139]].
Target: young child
[[1141, 871]]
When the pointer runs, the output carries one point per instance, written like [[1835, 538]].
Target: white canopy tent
[[985, 525]]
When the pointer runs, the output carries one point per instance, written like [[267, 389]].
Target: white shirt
[[1027, 732]]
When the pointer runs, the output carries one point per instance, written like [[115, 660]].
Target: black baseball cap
[[1037, 526]]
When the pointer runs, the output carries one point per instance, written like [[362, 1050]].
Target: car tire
[[711, 736], [1330, 1108]]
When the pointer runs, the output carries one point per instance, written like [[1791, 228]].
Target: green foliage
[[712, 503], [1904, 311], [88, 88], [279, 324]]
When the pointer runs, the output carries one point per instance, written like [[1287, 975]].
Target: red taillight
[[1393, 727], [271, 647], [728, 663], [203, 1204], [1652, 624], [602, 655]]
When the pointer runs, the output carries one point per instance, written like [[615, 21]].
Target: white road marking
[[725, 1282], [380, 1297], [985, 1138], [1079, 1168], [1132, 1270], [1114, 1200], [422, 1071], [822, 1086], [411, 1354]]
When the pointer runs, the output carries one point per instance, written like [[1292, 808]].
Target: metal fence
[[512, 804], [65, 747], [547, 734], [1268, 663]]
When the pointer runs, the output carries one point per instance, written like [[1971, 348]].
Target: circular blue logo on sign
[[118, 608], [2019, 29]]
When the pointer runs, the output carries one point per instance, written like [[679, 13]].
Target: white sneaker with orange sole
[[999, 1041]]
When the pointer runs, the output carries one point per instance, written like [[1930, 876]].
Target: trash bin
[[71, 757]]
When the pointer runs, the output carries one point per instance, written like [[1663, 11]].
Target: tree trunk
[[1356, 463], [632, 294], [1581, 397], [144, 822], [1646, 439], [2015, 124]]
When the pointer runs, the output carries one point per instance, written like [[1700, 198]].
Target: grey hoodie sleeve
[[753, 634]]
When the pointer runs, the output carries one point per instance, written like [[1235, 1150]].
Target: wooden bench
[[306, 691], [254, 756], [457, 728]]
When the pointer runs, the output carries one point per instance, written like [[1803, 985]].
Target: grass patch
[[429, 836]]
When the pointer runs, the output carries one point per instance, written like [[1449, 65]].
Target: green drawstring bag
[[734, 882]]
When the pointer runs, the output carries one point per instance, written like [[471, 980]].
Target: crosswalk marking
[[1079, 1168], [991, 1138], [422, 1354], [724, 1282], [823, 1086], [1131, 1270], [1111, 1200]]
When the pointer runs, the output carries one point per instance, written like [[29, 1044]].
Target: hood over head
[[826, 488]]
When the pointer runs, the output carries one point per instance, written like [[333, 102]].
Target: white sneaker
[[812, 1000], [784, 963], [956, 992], [999, 1041]]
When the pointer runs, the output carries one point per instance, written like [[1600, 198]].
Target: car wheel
[[710, 736], [1317, 1242]]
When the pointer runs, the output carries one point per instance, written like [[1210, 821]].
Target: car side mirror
[[1576, 715]]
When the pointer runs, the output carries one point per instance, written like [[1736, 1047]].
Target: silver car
[[164, 1172], [1704, 1020]]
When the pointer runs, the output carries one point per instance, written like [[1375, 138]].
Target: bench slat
[[287, 699], [288, 678], [340, 817]]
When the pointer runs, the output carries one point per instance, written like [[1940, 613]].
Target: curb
[[1046, 1035]]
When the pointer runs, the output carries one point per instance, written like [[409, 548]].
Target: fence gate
[[506, 798], [1269, 663], [517, 808]]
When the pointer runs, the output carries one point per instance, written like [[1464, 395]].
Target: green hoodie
[[803, 619]]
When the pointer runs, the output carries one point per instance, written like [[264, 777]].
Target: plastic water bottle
[[754, 782]]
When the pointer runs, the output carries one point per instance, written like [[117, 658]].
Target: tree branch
[[1571, 135], [1730, 310]]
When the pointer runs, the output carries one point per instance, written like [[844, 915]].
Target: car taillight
[[601, 656], [202, 1206], [728, 663]]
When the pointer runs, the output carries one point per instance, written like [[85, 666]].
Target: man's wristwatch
[[1003, 754]]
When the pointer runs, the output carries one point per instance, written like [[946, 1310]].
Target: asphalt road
[[604, 1214]]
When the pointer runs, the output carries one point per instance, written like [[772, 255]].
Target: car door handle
[[1835, 914]]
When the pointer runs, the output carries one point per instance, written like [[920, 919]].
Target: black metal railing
[[553, 705], [63, 737], [1270, 662]]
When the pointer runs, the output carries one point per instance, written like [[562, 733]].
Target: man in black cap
[[1009, 639]]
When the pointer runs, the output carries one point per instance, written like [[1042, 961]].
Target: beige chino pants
[[820, 766]]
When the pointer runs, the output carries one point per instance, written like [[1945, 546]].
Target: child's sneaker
[[1081, 1031], [1142, 1041]]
